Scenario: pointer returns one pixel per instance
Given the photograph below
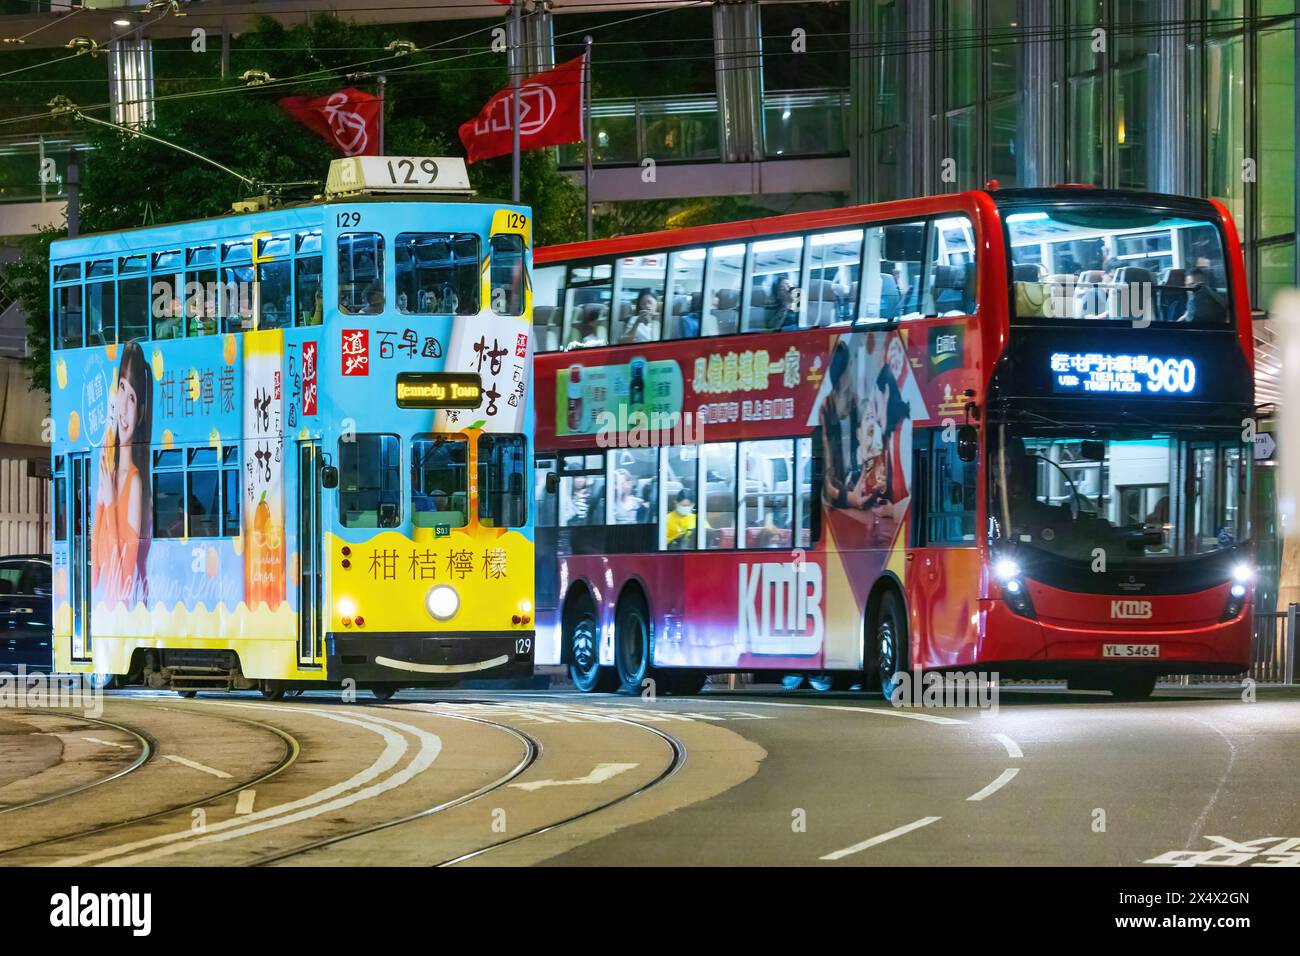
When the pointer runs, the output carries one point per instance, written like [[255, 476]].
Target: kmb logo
[[1130, 610]]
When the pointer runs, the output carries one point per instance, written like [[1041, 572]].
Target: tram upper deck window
[[101, 306], [69, 317], [370, 482], [502, 498], [361, 273], [507, 275], [202, 290], [308, 300], [1117, 263], [437, 273], [439, 481]]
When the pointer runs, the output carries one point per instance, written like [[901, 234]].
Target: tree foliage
[[27, 279]]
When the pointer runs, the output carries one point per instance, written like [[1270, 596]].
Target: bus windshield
[[1119, 263], [1138, 495]]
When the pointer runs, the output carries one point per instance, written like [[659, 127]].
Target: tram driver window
[[437, 273], [507, 275], [439, 481], [370, 482], [502, 502], [361, 273]]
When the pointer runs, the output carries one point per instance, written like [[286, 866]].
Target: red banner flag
[[550, 113], [348, 119]]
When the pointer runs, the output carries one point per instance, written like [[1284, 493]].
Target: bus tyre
[[1132, 686], [890, 648], [582, 636], [634, 647]]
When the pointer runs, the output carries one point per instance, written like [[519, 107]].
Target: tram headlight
[[443, 602]]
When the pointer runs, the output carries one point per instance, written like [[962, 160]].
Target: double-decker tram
[[292, 446], [999, 431]]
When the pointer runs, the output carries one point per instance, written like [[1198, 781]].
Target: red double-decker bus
[[1004, 431]]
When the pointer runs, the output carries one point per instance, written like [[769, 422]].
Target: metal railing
[[1272, 652], [626, 131]]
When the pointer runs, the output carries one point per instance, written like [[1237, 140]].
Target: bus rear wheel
[[634, 645], [583, 638], [1131, 686], [890, 644]]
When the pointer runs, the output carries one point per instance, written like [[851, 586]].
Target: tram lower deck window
[[502, 501], [370, 482], [439, 481]]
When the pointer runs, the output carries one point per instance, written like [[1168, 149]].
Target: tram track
[[148, 748], [292, 751]]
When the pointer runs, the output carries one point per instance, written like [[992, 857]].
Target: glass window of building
[[437, 273], [361, 273], [639, 298], [775, 296], [588, 294]]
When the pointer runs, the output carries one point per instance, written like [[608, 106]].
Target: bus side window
[[945, 511], [507, 275]]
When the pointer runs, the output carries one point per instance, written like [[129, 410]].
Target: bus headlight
[[443, 602], [1014, 590], [1243, 576]]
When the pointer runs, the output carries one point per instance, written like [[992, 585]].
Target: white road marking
[[308, 806], [1013, 748], [877, 840], [195, 765], [877, 711], [244, 804], [601, 773], [108, 743], [1004, 778]]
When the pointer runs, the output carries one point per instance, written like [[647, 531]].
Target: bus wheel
[[837, 680], [188, 694], [633, 645], [687, 681], [890, 644], [384, 693], [582, 635], [1132, 686], [272, 691]]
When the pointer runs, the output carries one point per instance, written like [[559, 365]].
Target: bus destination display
[[439, 390], [1103, 373]]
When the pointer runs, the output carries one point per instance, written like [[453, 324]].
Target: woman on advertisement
[[123, 509]]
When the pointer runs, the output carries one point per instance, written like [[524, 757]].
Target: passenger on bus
[[1204, 304], [627, 506], [781, 311], [680, 527], [640, 325]]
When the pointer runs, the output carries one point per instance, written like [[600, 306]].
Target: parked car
[[26, 613]]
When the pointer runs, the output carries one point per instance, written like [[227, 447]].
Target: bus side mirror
[[968, 443], [329, 476], [552, 482]]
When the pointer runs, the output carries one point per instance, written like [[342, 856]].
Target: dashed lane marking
[[1003, 779], [1013, 748], [882, 838], [245, 802], [195, 765]]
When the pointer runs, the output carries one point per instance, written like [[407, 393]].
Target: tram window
[[169, 504], [275, 296], [502, 497], [237, 298], [202, 301], [238, 250], [99, 269], [361, 273], [950, 271], [101, 313], [767, 493], [437, 273], [640, 298], [891, 272], [67, 272], [200, 256], [230, 502], [587, 299], [507, 275], [439, 481], [202, 495], [307, 290], [774, 292], [169, 261], [166, 293], [834, 274], [548, 307], [69, 318], [719, 505], [309, 243], [60, 508], [726, 269], [133, 308], [680, 505], [684, 300], [370, 482], [277, 245]]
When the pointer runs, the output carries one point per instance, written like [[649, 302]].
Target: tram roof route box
[[397, 175]]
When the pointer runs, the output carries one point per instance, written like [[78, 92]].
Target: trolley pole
[[383, 105]]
